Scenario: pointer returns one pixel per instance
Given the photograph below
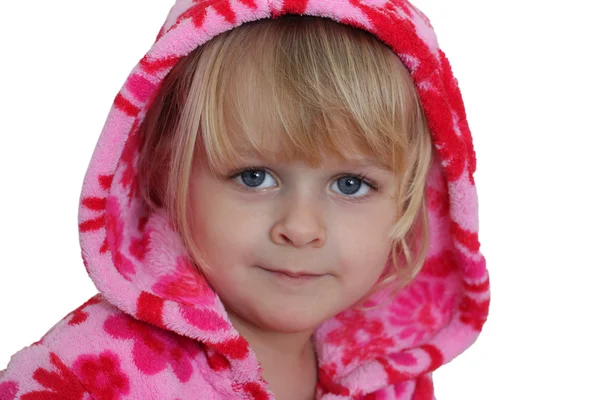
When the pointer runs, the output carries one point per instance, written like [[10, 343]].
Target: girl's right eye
[[255, 179]]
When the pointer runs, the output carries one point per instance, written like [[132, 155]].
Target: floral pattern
[[474, 313], [8, 390], [422, 310], [102, 375], [358, 338], [79, 316], [154, 349], [97, 206], [61, 384], [115, 238], [185, 285]]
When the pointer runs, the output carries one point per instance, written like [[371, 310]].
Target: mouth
[[296, 276]]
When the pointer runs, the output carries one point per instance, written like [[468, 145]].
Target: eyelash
[[374, 186]]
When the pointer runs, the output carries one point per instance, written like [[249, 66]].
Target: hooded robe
[[156, 330]]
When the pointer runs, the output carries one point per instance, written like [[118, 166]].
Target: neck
[[272, 344], [281, 355]]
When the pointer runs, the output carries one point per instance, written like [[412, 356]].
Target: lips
[[295, 274], [292, 274]]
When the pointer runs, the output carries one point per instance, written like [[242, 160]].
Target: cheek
[[366, 246], [223, 230]]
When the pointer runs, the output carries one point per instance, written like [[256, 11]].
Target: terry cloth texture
[[156, 330]]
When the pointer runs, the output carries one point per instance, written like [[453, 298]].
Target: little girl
[[281, 205]]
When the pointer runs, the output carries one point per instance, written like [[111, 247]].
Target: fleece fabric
[[156, 330]]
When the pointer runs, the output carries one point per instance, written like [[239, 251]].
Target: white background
[[528, 71]]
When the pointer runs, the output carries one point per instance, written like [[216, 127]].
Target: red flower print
[[154, 349], [154, 66], [423, 388], [293, 7], [184, 285], [474, 313], [442, 265], [62, 384], [97, 205], [360, 339], [78, 315], [128, 177], [422, 311], [251, 390], [8, 390], [326, 382], [102, 375], [140, 247], [198, 11], [216, 361], [467, 238], [126, 106]]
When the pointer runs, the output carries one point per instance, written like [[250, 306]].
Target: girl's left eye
[[351, 186], [255, 179]]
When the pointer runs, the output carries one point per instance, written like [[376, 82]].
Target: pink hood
[[137, 261]]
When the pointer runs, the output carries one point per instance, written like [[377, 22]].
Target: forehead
[[257, 135], [320, 150], [261, 121]]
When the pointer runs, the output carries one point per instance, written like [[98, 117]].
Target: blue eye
[[352, 186], [255, 178]]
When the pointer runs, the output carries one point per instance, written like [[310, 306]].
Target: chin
[[291, 318]]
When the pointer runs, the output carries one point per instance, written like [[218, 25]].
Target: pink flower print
[[62, 384], [114, 234], [422, 311], [360, 339], [184, 285], [8, 390], [400, 390], [403, 358], [153, 348], [102, 375], [438, 200]]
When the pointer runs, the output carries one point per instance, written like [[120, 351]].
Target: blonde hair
[[322, 86]]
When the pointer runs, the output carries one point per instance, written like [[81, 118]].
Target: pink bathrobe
[[156, 330]]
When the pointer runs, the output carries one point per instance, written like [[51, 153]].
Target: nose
[[299, 224]]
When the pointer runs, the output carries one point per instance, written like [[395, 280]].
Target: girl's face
[[288, 245]]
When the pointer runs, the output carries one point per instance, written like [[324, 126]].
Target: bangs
[[305, 91]]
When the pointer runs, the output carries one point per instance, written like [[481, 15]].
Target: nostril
[[286, 239]]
